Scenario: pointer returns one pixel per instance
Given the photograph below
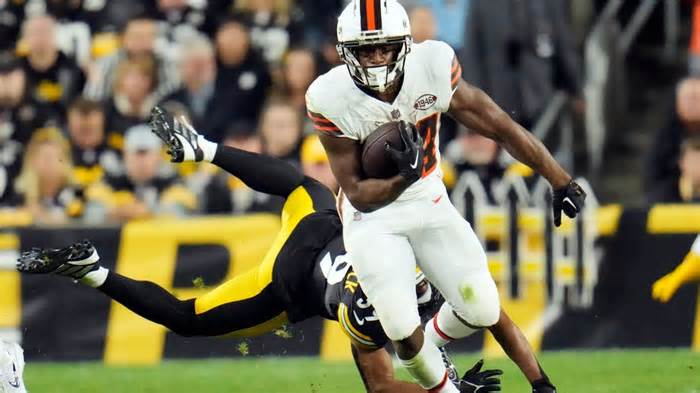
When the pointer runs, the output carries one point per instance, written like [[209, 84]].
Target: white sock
[[445, 327], [428, 370], [95, 278], [208, 148]]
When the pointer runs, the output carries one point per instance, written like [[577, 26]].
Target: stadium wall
[[584, 285]]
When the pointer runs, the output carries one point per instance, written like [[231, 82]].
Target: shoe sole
[[93, 258]]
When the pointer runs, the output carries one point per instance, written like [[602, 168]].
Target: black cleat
[[182, 140], [74, 261]]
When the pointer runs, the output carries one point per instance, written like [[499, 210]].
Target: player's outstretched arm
[[261, 173], [377, 372], [365, 194], [514, 343], [477, 111], [688, 271]]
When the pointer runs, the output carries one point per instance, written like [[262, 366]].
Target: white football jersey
[[696, 246], [338, 107]]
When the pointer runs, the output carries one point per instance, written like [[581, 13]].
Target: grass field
[[676, 371]]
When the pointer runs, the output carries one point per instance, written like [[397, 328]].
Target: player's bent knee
[[397, 330], [489, 315], [479, 304]]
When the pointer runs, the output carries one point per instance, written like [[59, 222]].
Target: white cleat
[[181, 138], [11, 368]]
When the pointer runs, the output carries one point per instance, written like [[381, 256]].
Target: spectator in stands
[[134, 96], [52, 77], [65, 10], [144, 191], [138, 41], [520, 53], [451, 17], [102, 16], [422, 24], [45, 186], [329, 53], [20, 116], [299, 70], [11, 17], [20, 112], [281, 131], [694, 48], [92, 157], [314, 162], [662, 171], [183, 18], [471, 152], [274, 26], [226, 194], [689, 164], [240, 69], [211, 107], [319, 18]]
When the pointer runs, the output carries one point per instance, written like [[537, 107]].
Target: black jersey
[[324, 284], [314, 277]]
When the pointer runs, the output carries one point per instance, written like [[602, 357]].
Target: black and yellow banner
[[561, 293]]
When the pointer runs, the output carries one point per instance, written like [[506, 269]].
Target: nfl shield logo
[[395, 114], [357, 216]]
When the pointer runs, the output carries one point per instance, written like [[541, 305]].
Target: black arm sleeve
[[261, 173]]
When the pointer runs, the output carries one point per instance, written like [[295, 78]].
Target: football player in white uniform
[[390, 224]]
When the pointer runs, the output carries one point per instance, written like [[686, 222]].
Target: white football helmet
[[374, 22]]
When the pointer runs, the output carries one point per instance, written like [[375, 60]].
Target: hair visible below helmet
[[374, 22]]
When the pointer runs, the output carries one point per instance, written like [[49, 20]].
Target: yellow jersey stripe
[[343, 317]]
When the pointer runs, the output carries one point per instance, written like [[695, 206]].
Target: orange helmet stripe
[[371, 15]]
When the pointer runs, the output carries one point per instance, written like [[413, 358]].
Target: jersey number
[[428, 128], [334, 269]]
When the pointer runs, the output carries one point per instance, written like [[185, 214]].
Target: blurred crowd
[[78, 79]]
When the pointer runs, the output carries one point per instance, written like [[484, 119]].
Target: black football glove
[[410, 158], [543, 386], [570, 199], [475, 381]]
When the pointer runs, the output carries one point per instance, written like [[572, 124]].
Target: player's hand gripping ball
[[409, 160]]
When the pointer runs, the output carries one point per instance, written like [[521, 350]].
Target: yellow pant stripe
[[265, 327], [344, 319], [250, 284], [238, 288]]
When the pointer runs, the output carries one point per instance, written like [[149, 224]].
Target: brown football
[[376, 162]]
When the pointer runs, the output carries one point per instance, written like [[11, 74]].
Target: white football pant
[[424, 227]]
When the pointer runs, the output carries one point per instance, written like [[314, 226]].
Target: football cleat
[[182, 140], [74, 261], [451, 369], [11, 368]]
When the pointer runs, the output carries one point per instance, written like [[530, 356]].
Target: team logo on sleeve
[[425, 102]]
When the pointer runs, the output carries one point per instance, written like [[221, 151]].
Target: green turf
[[676, 371]]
